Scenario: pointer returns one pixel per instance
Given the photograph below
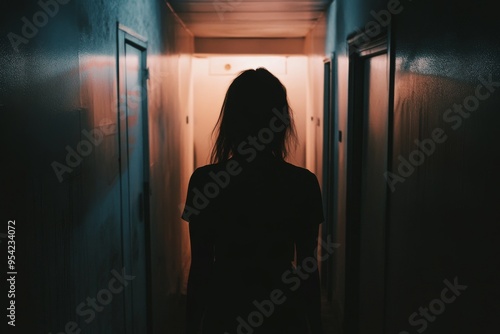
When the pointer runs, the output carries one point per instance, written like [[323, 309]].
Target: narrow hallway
[[107, 108]]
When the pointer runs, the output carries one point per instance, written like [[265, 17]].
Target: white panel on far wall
[[234, 65]]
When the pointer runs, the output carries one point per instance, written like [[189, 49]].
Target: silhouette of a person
[[250, 213]]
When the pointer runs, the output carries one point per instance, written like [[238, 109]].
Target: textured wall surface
[[442, 217], [59, 80]]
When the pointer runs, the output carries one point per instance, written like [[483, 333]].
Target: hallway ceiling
[[249, 18]]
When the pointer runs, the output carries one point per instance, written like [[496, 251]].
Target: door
[[368, 154], [134, 176], [373, 194]]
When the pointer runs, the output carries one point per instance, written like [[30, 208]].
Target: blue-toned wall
[[60, 82]]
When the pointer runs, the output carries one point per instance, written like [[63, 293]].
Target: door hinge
[[146, 73]]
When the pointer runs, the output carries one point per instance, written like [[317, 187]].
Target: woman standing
[[251, 215]]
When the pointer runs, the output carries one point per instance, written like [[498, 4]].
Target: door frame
[[330, 171], [360, 48], [125, 36]]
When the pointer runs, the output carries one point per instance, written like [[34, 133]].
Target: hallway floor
[[330, 317]]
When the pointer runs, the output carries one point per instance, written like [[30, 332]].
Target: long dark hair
[[255, 101]]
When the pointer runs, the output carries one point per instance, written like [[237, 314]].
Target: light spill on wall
[[211, 81], [59, 84]]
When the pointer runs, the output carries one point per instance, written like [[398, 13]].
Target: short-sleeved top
[[252, 202], [254, 212]]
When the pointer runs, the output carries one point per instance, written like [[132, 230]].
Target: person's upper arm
[[202, 251], [313, 216], [197, 213], [316, 215], [192, 209]]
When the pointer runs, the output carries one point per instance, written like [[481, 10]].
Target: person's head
[[255, 105]]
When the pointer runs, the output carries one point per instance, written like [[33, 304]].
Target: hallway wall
[[320, 50], [59, 80], [443, 214], [443, 211], [316, 55]]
